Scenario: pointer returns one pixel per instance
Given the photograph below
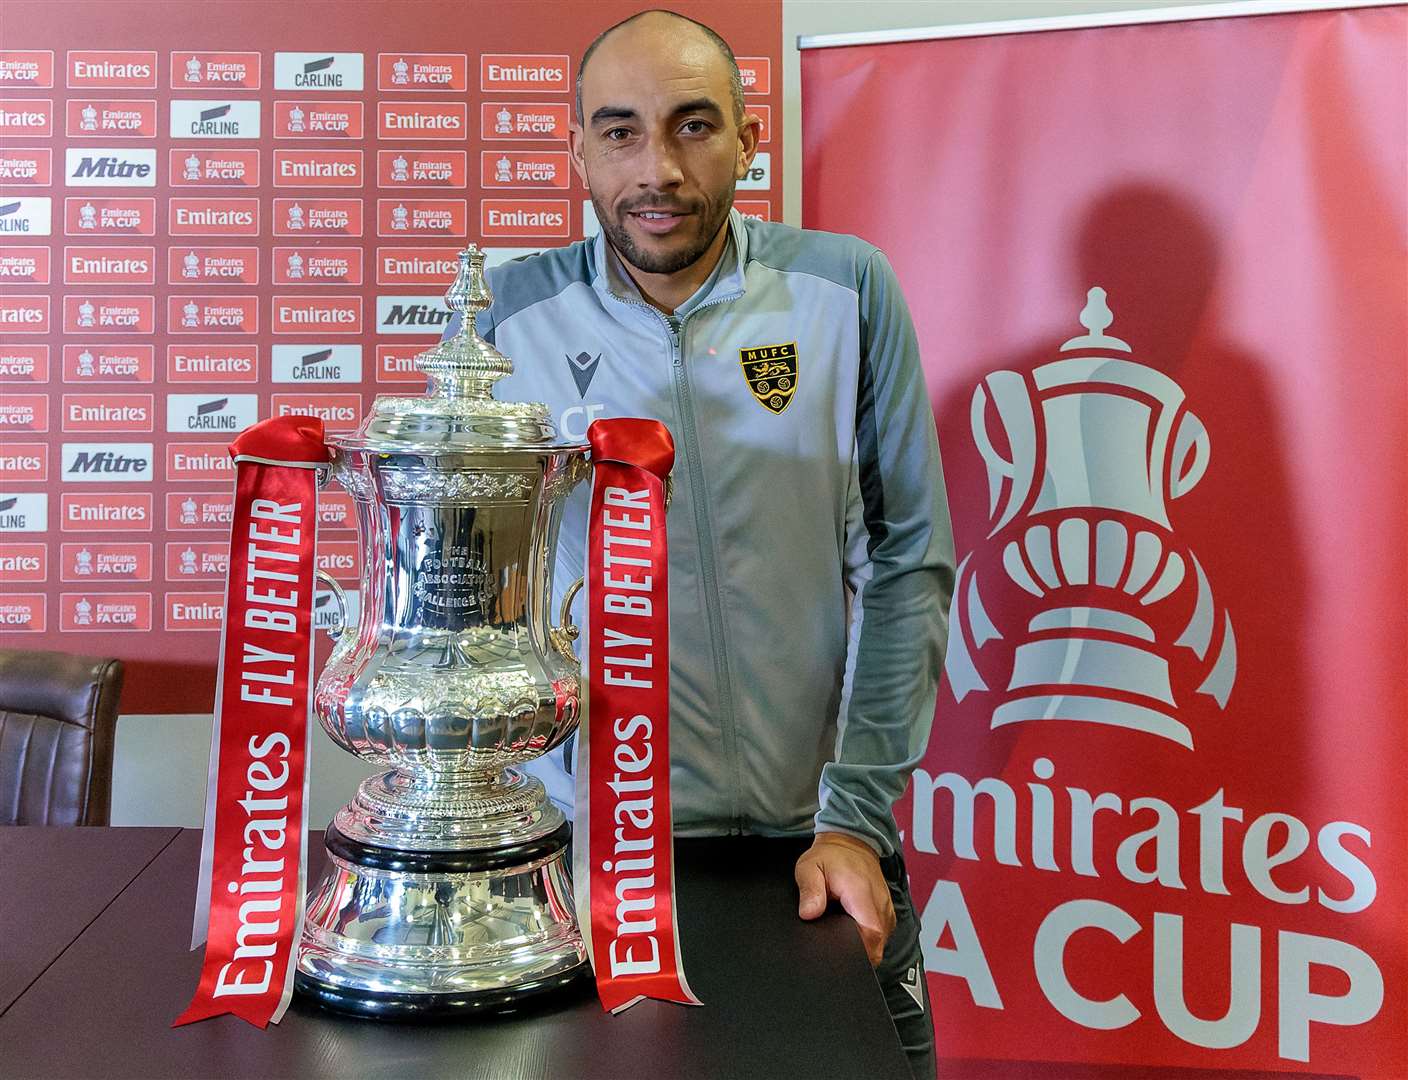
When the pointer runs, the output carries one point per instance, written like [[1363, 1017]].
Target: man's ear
[[576, 139], [749, 128]]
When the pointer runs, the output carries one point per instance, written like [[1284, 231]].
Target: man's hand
[[840, 867]]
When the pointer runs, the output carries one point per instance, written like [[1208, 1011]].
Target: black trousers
[[901, 975]]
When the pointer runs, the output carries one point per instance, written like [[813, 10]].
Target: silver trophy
[[448, 887]]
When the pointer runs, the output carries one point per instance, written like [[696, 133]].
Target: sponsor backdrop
[[213, 214], [1158, 275]]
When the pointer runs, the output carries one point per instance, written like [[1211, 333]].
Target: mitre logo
[[317, 119], [411, 315], [317, 71], [317, 363], [24, 217], [27, 116], [422, 120], [110, 167], [217, 70], [107, 69], [537, 72], [24, 513], [422, 71], [26, 68], [24, 266], [106, 462], [121, 119], [210, 412], [26, 167], [206, 119], [1110, 611]]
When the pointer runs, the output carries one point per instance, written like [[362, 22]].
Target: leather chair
[[58, 722]]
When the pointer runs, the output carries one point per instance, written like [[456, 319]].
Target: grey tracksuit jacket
[[811, 558]]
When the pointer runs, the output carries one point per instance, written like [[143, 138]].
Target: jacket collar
[[610, 278]]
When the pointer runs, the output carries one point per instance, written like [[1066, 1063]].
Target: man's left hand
[[840, 867]]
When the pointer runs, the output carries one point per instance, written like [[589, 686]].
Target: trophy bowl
[[448, 889]]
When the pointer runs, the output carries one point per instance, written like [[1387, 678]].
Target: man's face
[[658, 146]]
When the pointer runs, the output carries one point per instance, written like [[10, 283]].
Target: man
[[810, 552]]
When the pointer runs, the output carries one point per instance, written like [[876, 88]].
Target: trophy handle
[[339, 597], [566, 631], [1191, 450]]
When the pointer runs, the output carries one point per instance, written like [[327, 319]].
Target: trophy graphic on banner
[[1092, 448]]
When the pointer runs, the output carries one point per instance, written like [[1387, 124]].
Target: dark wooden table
[[94, 965]]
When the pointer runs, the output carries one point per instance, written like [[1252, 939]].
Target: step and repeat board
[[213, 214]]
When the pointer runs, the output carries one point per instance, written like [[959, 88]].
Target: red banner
[[1158, 277], [625, 846], [249, 905]]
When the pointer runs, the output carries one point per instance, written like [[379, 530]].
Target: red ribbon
[[625, 853], [249, 908]]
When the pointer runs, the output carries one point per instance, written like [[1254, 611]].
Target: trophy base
[[404, 935]]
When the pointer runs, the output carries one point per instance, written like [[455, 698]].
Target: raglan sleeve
[[900, 571]]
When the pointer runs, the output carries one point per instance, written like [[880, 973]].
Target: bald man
[[811, 560]]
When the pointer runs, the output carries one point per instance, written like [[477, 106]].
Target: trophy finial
[[1096, 317], [465, 365]]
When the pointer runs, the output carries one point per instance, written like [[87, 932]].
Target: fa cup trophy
[[447, 888]]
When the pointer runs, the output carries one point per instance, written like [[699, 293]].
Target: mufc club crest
[[771, 371]]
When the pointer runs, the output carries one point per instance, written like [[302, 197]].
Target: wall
[[160, 767]]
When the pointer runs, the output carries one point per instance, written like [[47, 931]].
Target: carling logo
[[197, 560], [759, 174], [317, 314], [24, 266], [312, 265], [25, 167], [25, 217], [338, 412], [422, 120], [213, 217], [109, 265], [756, 72], [213, 168], [24, 314], [421, 168], [105, 463], [524, 217], [103, 70], [212, 314], [411, 314], [24, 412], [547, 73], [416, 266], [199, 265], [219, 364], [524, 169], [186, 413], [194, 611], [24, 69], [317, 119], [318, 168], [109, 166], [316, 363], [108, 413], [1087, 554], [217, 70], [89, 118], [199, 510], [422, 71], [24, 461], [198, 461], [28, 563], [24, 513], [109, 217], [108, 511], [97, 561], [523, 120], [317, 71], [108, 363], [421, 217], [105, 612], [210, 119], [317, 217], [27, 116], [24, 363], [88, 314]]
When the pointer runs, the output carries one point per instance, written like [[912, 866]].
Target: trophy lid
[[458, 411]]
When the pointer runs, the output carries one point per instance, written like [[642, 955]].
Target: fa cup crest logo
[[192, 70], [87, 216], [295, 119], [503, 171], [1101, 603], [190, 314], [85, 371], [188, 561], [83, 612], [503, 122], [295, 216], [190, 265], [399, 73], [89, 121], [85, 313], [84, 561], [295, 265], [399, 216], [399, 172], [192, 169], [188, 511]]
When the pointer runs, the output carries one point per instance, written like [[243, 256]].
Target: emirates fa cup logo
[[192, 169], [192, 70], [503, 122], [1105, 615], [87, 216], [400, 73], [85, 313], [399, 172], [295, 119], [89, 119]]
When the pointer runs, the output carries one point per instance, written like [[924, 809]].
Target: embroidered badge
[[771, 371]]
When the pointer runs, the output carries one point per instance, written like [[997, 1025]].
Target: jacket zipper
[[684, 402]]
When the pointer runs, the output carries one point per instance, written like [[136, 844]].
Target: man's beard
[[708, 215]]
